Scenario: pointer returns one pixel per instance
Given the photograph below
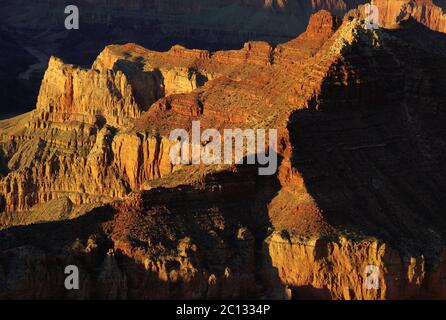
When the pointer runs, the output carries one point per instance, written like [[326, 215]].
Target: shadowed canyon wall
[[86, 180]]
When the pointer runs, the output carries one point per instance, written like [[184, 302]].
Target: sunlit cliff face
[[86, 177]]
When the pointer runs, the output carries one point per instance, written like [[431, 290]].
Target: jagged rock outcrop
[[325, 268], [80, 161], [70, 94], [35, 31], [360, 117], [346, 148]]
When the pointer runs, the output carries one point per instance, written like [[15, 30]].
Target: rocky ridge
[[36, 30], [360, 177]]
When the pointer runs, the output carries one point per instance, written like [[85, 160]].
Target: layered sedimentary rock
[[336, 268], [431, 13], [142, 249], [353, 157], [212, 22], [85, 95], [360, 117], [37, 31]]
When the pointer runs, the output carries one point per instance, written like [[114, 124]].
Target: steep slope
[[38, 28], [156, 245], [370, 155], [360, 180], [428, 12]]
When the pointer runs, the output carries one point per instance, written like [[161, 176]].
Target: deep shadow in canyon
[[370, 151], [218, 225]]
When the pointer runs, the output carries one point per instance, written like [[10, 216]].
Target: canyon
[[35, 31], [86, 179]]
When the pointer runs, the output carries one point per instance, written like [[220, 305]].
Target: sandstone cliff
[[35, 30], [360, 115]]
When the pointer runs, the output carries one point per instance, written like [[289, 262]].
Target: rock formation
[[431, 13], [86, 177], [35, 31]]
